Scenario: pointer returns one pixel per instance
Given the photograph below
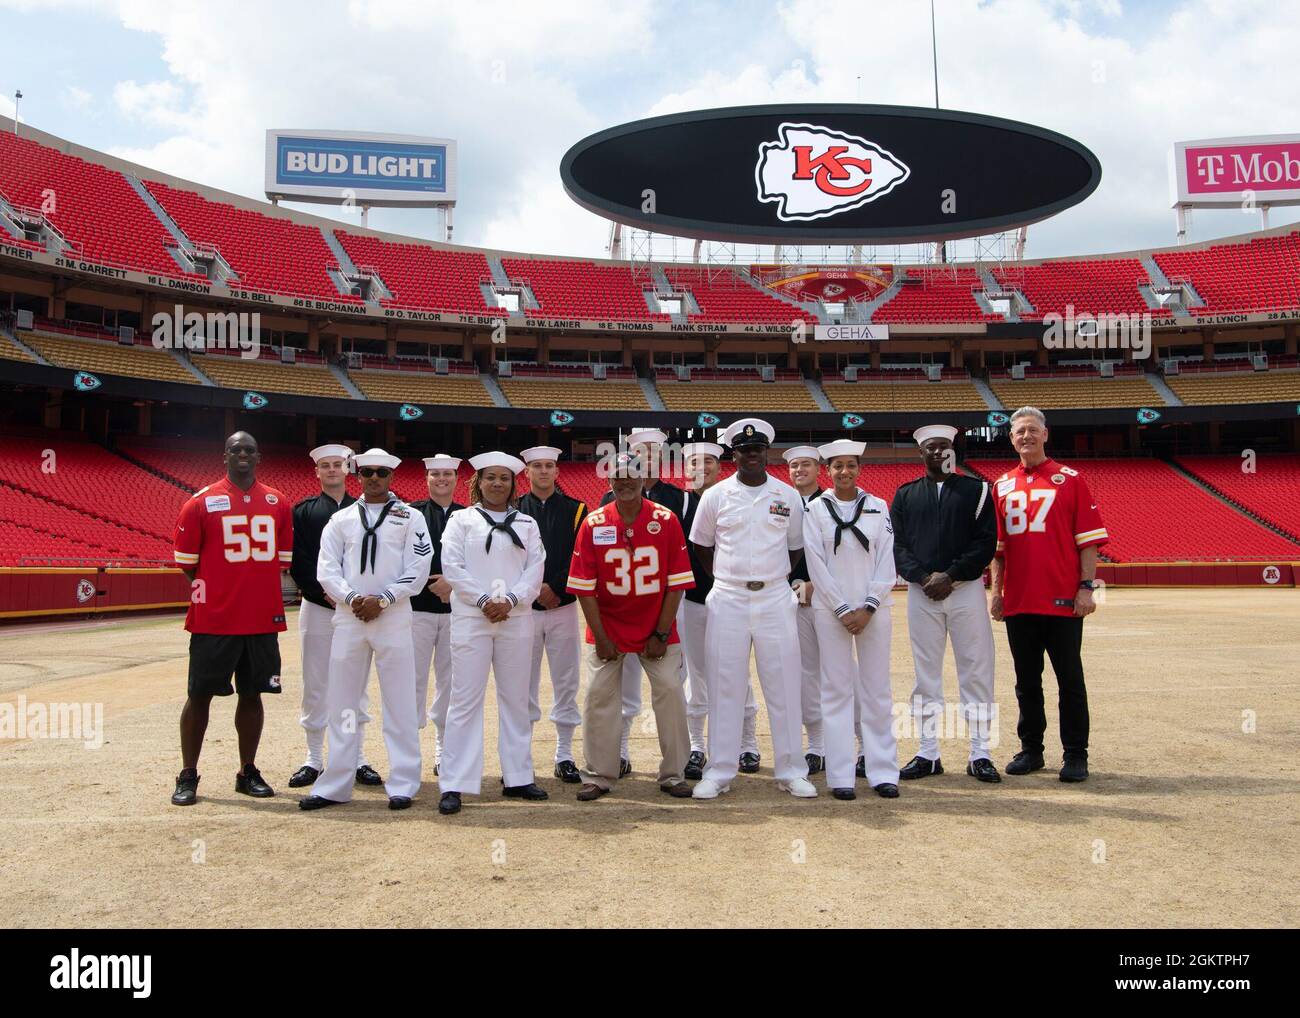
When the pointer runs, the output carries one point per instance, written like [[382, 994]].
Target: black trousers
[[1062, 638]]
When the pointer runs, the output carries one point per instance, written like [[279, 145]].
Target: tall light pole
[[17, 97]]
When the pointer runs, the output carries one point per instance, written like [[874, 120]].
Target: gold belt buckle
[[754, 585]]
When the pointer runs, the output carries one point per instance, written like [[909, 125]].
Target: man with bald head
[[232, 539]]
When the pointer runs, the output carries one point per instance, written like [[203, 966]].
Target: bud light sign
[[361, 169]]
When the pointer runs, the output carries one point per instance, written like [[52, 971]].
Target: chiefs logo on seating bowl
[[813, 172]]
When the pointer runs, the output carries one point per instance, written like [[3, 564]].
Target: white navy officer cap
[[540, 452], [441, 462], [922, 435], [748, 431], [376, 458], [841, 447], [496, 459]]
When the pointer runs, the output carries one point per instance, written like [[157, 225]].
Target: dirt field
[[1187, 819]]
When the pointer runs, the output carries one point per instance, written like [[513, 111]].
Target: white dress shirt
[[401, 547], [850, 577], [478, 575], [752, 530]]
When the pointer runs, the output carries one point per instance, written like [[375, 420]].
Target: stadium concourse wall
[[33, 593]]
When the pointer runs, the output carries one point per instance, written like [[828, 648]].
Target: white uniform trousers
[[505, 648], [388, 639], [857, 666], [431, 637], [963, 614], [739, 618], [315, 631], [692, 625], [556, 631], [810, 693]]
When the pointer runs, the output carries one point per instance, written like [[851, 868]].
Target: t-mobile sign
[[1227, 172]]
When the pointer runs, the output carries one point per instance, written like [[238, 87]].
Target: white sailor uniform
[[382, 550]]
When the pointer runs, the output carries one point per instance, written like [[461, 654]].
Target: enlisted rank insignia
[[409, 412], [255, 401], [84, 381]]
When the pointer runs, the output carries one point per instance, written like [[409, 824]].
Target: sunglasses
[[373, 471]]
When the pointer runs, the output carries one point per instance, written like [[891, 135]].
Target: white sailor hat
[[441, 462], [496, 459], [377, 458], [748, 431], [646, 436], [841, 447], [325, 451], [702, 449], [540, 452], [800, 452], [934, 431]]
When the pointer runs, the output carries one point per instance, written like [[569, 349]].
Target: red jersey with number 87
[[1045, 517], [629, 570], [236, 541]]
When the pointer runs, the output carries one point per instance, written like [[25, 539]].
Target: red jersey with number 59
[[629, 570], [1045, 517], [237, 542]]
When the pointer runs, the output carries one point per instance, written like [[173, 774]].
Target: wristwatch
[[1086, 585], [662, 637]]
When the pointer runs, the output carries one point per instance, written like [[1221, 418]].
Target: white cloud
[[76, 97]]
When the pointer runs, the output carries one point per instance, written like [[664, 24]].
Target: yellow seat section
[[880, 397], [12, 352], [99, 357], [410, 387], [755, 397], [1070, 393], [1241, 387], [573, 395], [237, 373]]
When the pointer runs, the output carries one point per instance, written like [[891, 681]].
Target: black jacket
[[426, 600], [558, 519], [667, 495], [953, 532], [801, 567], [309, 519], [703, 578]]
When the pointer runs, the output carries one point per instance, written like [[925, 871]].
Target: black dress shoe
[[367, 775], [1075, 768], [317, 802], [449, 803], [531, 791], [861, 769], [695, 765], [984, 770], [920, 767], [187, 789], [816, 763], [749, 763], [844, 793], [304, 776], [249, 782], [681, 790], [887, 790], [567, 771], [624, 768], [1023, 763], [399, 802]]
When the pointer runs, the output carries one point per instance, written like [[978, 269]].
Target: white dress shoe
[[800, 788], [711, 790]]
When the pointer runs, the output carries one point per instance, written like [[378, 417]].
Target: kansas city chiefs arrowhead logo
[[851, 420], [254, 400], [559, 418], [707, 420], [813, 172], [85, 381], [407, 412], [1147, 416], [996, 419]]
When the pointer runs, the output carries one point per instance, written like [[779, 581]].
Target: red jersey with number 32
[[629, 570], [1045, 517], [236, 541]]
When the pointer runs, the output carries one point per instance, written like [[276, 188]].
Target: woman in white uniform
[[492, 556], [849, 547]]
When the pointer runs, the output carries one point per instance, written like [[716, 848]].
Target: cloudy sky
[[190, 88]]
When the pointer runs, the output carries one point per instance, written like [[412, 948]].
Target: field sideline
[[1187, 820]]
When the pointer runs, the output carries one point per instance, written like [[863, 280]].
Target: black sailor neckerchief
[[370, 542], [843, 525], [503, 525]]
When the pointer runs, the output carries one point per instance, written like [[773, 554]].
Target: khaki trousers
[[602, 715]]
